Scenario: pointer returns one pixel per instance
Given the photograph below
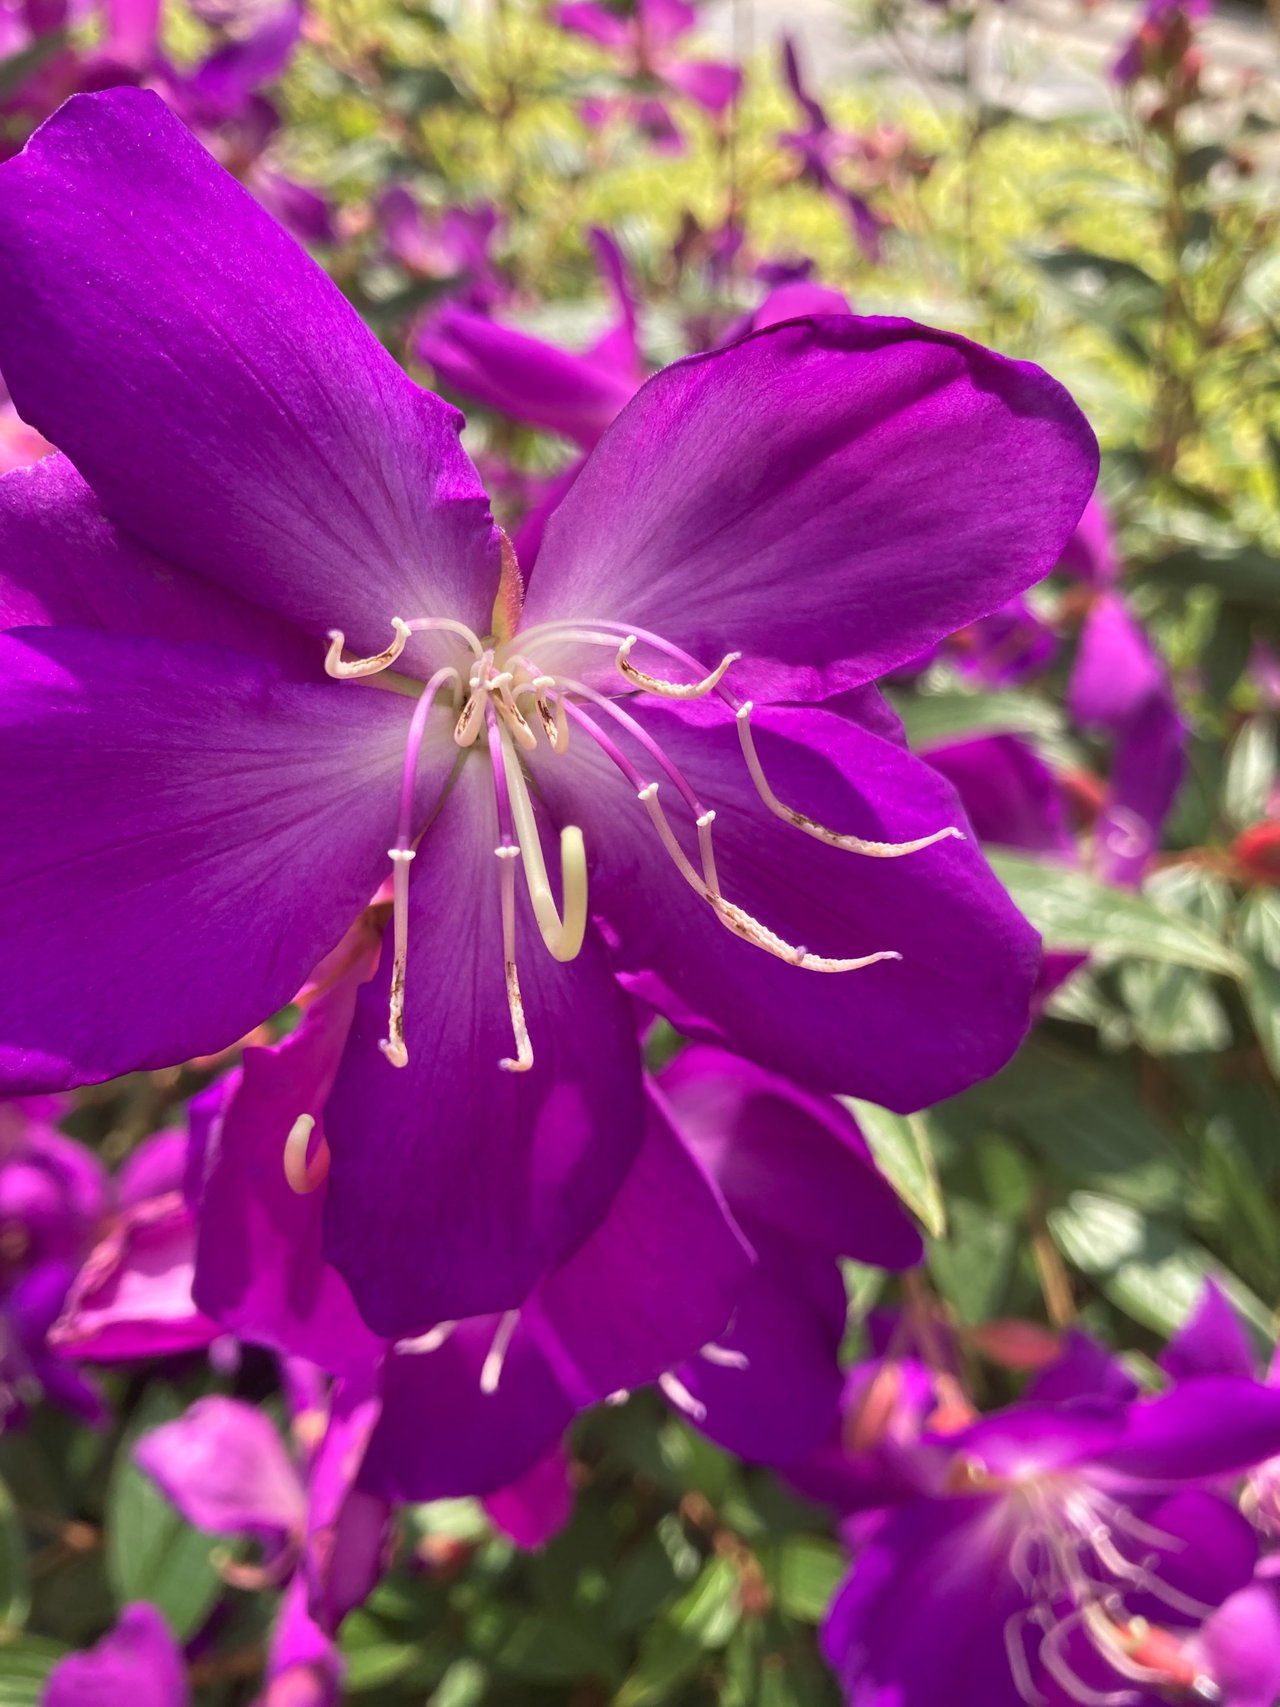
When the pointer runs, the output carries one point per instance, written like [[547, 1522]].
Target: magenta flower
[[136, 1664], [1068, 1552], [819, 150], [452, 245], [644, 46], [806, 508]]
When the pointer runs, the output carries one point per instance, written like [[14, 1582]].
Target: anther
[[432, 1340], [659, 684], [352, 668], [724, 1358], [676, 1393], [515, 1001], [393, 1044], [305, 1174], [833, 838], [491, 1369]]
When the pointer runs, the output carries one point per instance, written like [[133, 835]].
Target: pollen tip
[[395, 1052], [648, 792], [745, 709], [707, 819], [401, 854]]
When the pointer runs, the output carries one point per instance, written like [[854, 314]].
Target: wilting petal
[[225, 1467], [788, 1160], [784, 1395], [183, 830], [656, 1280], [260, 1267], [63, 563], [1215, 1426], [1212, 1341], [523, 377], [1009, 793], [136, 1664], [535, 1507], [944, 1560], [223, 400], [440, 1435], [827, 497], [903, 1034], [454, 1187]]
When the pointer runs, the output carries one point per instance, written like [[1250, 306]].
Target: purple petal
[[1090, 553], [656, 1280], [221, 85], [597, 23], [225, 1468], [1116, 670], [64, 563], [788, 1160], [710, 83], [903, 1034], [260, 1267], [221, 397], [1148, 766], [186, 832], [828, 497], [441, 1436], [132, 1298], [1084, 1370], [943, 1561], [523, 377], [797, 300], [1215, 1426], [348, 1528], [1212, 1341], [304, 1668], [136, 1664], [1031, 1440], [1010, 795], [777, 1394], [1240, 1646], [455, 1184], [534, 1509], [157, 1167]]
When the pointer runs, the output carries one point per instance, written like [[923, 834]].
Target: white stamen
[[304, 1175], [724, 1358], [491, 1370], [737, 919], [515, 1002], [432, 1340], [671, 690], [563, 936], [676, 1393], [833, 838], [393, 1044], [352, 668]]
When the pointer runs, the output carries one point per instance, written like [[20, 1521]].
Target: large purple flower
[[197, 810]]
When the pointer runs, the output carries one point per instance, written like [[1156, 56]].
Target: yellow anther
[[350, 668], [305, 1174], [670, 690]]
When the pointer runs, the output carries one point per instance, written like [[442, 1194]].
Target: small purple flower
[[252, 488], [820, 150], [1071, 1548], [136, 1664], [452, 245], [644, 45]]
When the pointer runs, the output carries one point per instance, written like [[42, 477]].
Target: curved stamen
[[562, 935], [1055, 1663], [351, 669], [670, 690], [605, 633], [676, 1393], [491, 1369], [401, 857], [723, 1357], [833, 838], [508, 853], [305, 1173], [737, 919]]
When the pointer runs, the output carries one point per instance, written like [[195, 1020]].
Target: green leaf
[[1251, 772], [973, 1264], [1075, 912], [1151, 1271], [152, 1553], [15, 1574], [702, 1620], [25, 1668], [903, 1149], [1175, 1010], [932, 720], [1245, 576], [1258, 936], [804, 1572]]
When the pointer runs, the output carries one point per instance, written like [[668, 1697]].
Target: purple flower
[[132, 1297], [198, 810], [1010, 795], [1162, 41], [1066, 1552], [452, 245], [136, 1664], [53, 1196], [644, 45], [820, 149]]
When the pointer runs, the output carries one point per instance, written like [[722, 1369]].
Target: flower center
[[501, 695]]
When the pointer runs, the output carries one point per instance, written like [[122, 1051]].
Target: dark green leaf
[[903, 1149]]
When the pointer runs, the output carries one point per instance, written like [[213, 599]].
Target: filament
[[833, 838], [432, 1340], [724, 1358], [562, 935], [491, 1369], [304, 1173]]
